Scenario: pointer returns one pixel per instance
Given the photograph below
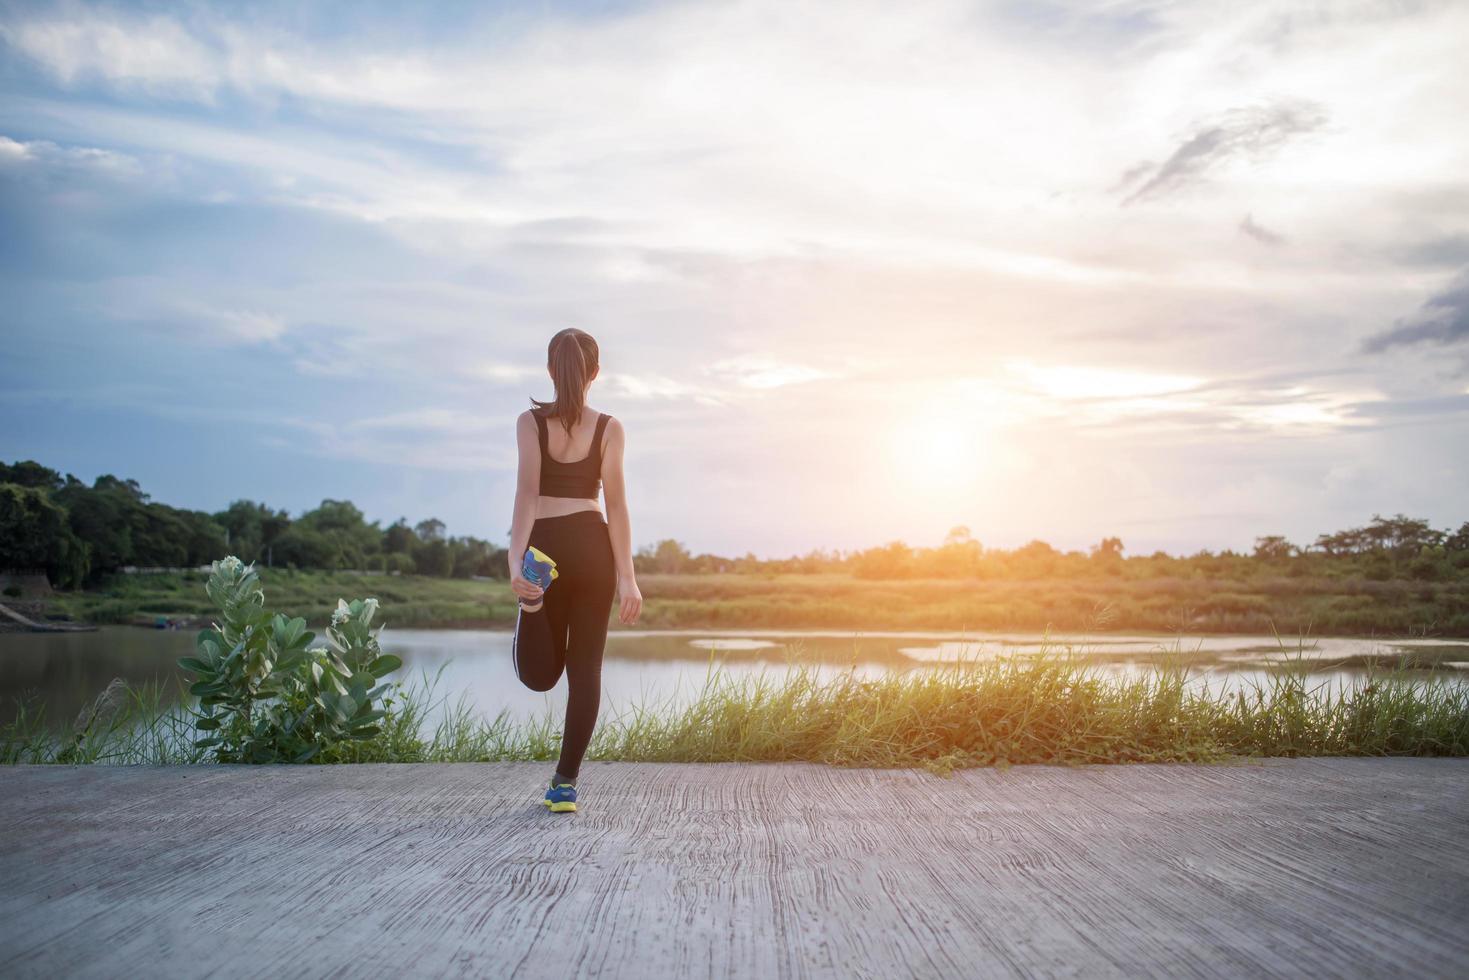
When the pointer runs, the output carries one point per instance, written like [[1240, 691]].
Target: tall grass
[[1056, 708], [125, 725]]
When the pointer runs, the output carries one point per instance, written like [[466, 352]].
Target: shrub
[[266, 695]]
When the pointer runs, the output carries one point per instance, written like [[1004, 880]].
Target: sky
[[1182, 273]]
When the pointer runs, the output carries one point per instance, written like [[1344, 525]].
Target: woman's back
[[571, 464], [564, 448]]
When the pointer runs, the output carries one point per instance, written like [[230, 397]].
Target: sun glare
[[934, 451], [1064, 381]]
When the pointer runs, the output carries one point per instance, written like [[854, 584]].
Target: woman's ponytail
[[572, 359]]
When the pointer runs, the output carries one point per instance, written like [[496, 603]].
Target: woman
[[558, 536]]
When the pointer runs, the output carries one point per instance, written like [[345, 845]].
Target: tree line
[[1386, 548], [79, 534]]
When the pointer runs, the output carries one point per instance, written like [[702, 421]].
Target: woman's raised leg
[[538, 647]]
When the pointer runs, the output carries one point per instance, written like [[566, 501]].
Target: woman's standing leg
[[586, 639]]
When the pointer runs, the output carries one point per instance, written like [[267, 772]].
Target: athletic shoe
[[561, 799], [539, 568]]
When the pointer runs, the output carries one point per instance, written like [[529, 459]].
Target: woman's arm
[[527, 492], [619, 525]]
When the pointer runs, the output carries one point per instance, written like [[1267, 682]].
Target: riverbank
[[14, 621], [1050, 707], [1316, 606], [1340, 867]]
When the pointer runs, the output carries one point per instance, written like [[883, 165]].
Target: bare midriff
[[561, 506]]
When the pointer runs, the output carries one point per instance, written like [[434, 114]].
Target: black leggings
[[570, 629]]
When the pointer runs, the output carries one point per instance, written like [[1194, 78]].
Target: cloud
[[1246, 131], [1085, 382], [1259, 232], [499, 372], [242, 326], [45, 156], [752, 371], [164, 304], [1415, 409], [431, 420], [651, 387], [1441, 251], [156, 54], [1120, 398], [1442, 319]]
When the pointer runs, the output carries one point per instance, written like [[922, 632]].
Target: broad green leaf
[[385, 664]]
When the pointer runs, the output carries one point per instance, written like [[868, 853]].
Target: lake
[[66, 670]]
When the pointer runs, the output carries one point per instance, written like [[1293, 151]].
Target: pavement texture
[[1309, 867]]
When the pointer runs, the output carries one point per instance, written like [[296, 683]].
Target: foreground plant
[[266, 695]]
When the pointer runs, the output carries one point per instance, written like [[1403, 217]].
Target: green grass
[[1054, 708], [415, 600], [1318, 606]]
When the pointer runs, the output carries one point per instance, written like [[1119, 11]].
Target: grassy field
[[1322, 606], [1053, 709]]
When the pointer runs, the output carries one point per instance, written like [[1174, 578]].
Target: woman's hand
[[629, 601], [524, 587]]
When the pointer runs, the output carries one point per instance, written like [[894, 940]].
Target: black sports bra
[[580, 479]]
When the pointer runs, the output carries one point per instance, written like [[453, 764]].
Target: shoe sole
[[560, 807]]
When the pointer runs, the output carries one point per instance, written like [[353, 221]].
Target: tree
[[1402, 534], [253, 529], [129, 488], [168, 537], [670, 556], [893, 560], [431, 529], [349, 538], [106, 516], [1273, 546], [475, 557], [272, 526], [302, 546], [34, 533], [434, 558], [1459, 540], [1108, 549], [205, 539], [29, 473], [399, 538]]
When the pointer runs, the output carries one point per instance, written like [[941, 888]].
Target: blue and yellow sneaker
[[539, 568], [562, 798]]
